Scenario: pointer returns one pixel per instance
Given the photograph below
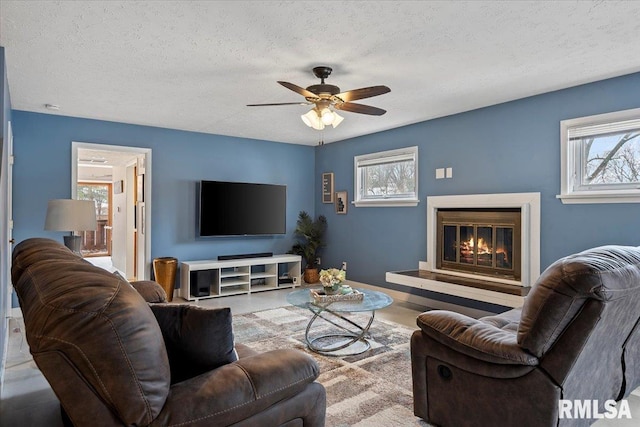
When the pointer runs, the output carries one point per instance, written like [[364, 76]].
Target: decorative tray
[[321, 297]]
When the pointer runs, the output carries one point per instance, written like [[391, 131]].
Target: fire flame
[[466, 248]]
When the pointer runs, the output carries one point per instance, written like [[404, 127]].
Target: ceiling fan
[[326, 97]]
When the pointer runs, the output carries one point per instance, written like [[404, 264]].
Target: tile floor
[[27, 399]]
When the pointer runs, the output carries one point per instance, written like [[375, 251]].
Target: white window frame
[[571, 157], [402, 154]]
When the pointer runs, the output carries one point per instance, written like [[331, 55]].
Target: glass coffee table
[[351, 338]]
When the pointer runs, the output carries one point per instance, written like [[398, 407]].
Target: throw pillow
[[197, 339]]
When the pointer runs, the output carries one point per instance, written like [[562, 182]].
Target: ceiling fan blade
[[360, 108], [278, 103], [365, 92], [302, 91]]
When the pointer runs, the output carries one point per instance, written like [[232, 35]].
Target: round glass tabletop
[[373, 300]]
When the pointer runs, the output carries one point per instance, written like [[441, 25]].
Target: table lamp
[[71, 215]]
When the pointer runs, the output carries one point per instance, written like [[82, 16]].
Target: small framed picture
[[341, 202], [327, 187]]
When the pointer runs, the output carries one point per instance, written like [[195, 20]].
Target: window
[[601, 158], [97, 242], [387, 178]]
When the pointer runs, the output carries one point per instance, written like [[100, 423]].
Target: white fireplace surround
[[529, 205]]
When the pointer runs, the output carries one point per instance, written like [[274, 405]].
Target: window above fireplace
[[600, 158], [387, 178]]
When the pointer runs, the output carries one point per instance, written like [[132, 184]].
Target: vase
[[311, 275], [332, 290], [164, 270]]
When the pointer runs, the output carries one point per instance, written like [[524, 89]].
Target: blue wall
[[511, 147], [179, 159], [506, 148]]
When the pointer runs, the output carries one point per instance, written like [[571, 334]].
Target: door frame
[[146, 152], [6, 200], [8, 245]]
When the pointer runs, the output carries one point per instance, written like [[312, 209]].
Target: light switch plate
[[439, 173]]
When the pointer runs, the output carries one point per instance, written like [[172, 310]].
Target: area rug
[[366, 390]]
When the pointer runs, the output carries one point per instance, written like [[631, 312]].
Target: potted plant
[[311, 239]]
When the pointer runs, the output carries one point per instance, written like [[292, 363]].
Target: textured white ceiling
[[195, 65]]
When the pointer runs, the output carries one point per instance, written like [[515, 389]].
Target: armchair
[[113, 358], [577, 337]]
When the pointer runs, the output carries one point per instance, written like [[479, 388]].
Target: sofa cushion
[[605, 273], [507, 321], [474, 337]]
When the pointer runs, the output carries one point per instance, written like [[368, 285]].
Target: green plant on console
[[311, 239]]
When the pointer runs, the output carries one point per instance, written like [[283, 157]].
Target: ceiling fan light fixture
[[312, 119], [318, 125], [327, 116], [327, 97], [337, 119], [307, 117]]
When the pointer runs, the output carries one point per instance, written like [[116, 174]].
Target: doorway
[[118, 178]]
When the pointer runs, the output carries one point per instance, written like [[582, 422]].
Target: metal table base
[[350, 338]]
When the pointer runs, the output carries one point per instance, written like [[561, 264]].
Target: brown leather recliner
[[114, 359], [577, 338]]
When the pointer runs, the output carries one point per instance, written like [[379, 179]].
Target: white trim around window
[[572, 162], [386, 195]]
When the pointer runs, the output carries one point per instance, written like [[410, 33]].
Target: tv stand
[[217, 278]]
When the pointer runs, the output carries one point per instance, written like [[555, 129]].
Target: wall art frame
[[341, 202], [327, 187]]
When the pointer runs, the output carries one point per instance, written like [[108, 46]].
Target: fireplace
[[500, 269], [480, 241], [520, 264]]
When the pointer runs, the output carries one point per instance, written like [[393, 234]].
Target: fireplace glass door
[[479, 242]]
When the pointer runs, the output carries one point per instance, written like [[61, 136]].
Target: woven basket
[[321, 298]]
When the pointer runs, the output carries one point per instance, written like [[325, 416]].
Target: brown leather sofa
[[114, 359], [576, 338]]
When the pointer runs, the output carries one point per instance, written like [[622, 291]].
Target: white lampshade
[[337, 119], [308, 117], [71, 215], [327, 116], [312, 119]]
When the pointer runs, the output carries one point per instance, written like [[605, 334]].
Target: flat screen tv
[[241, 209]]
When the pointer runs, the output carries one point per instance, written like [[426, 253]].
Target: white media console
[[216, 278]]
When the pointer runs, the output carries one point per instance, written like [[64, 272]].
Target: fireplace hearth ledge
[[485, 291]]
